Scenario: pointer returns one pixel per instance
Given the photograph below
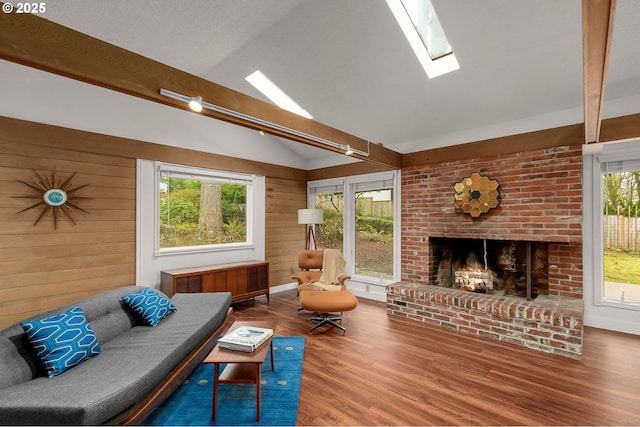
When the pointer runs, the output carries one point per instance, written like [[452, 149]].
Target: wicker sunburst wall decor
[[55, 197], [476, 194]]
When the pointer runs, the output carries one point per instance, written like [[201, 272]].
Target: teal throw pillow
[[149, 305], [62, 341]]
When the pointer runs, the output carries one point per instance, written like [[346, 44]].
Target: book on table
[[245, 338]]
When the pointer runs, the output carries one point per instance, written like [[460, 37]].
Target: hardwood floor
[[391, 371]]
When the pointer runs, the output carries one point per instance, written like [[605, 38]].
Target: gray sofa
[[138, 367]]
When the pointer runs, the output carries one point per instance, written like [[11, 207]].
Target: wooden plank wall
[[42, 268], [284, 237]]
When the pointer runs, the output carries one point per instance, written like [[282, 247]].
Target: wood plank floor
[[391, 371]]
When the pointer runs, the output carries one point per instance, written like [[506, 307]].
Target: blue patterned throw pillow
[[149, 305], [62, 341]]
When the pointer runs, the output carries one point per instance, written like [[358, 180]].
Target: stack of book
[[245, 338]]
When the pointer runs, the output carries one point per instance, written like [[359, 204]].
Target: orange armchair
[[311, 264], [322, 289]]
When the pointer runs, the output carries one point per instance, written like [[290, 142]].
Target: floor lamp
[[310, 217]]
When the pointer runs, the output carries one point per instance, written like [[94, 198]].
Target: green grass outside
[[621, 266]]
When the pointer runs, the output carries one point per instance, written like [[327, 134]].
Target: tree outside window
[[330, 234], [373, 237], [198, 212]]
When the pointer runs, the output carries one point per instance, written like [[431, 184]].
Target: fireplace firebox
[[502, 267]]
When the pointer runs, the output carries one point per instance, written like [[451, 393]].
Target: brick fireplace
[[540, 210]]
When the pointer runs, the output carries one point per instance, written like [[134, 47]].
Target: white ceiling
[[347, 63]]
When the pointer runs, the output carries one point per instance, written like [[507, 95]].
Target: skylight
[[421, 27], [275, 94]]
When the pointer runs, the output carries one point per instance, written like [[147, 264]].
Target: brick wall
[[540, 200]]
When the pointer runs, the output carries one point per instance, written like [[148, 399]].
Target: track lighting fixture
[[197, 100], [196, 104]]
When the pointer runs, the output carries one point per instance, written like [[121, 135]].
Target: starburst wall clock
[[55, 197]]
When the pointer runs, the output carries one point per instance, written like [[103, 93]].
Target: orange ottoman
[[325, 302]]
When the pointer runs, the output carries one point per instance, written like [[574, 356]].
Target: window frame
[[192, 172], [349, 186], [611, 152], [433, 67]]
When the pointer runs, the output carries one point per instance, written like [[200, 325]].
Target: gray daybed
[[138, 366]]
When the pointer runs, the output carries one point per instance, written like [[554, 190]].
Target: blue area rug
[[190, 405]]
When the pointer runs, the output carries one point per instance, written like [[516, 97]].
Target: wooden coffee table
[[242, 367]]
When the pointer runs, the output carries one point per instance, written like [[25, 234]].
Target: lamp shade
[[310, 216]]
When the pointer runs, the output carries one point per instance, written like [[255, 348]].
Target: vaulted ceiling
[[525, 65]]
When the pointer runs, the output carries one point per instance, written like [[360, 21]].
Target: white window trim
[[191, 172]]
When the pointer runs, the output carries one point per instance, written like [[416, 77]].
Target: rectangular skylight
[[421, 27], [275, 94]]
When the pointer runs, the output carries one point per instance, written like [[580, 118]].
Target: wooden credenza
[[244, 280]]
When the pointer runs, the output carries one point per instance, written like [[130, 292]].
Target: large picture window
[[201, 209]]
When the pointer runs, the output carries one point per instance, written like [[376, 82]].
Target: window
[[330, 234], [421, 27], [621, 232], [201, 209], [374, 233], [424, 19], [359, 220], [605, 306], [275, 94]]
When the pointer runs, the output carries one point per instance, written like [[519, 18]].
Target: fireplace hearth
[[500, 267]]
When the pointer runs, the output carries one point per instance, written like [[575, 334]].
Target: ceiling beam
[[39, 43], [536, 140], [597, 31], [620, 128]]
